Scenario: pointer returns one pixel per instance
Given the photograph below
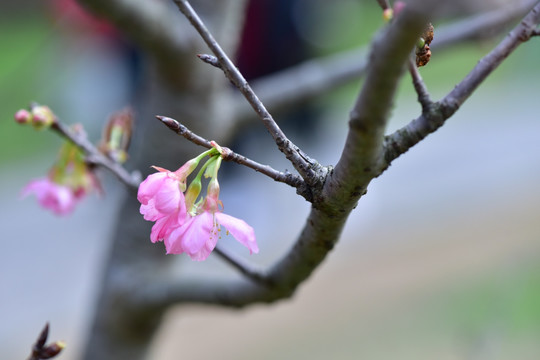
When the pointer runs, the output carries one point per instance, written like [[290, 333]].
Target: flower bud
[[23, 116], [117, 136], [42, 117], [52, 350], [387, 14], [192, 193]]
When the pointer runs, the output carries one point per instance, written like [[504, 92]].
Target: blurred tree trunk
[[118, 332]]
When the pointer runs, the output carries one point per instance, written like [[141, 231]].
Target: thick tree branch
[[328, 216], [316, 77], [331, 208], [95, 157], [408, 136], [362, 156], [301, 162], [287, 178]]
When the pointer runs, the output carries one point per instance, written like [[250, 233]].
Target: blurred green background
[[439, 261]]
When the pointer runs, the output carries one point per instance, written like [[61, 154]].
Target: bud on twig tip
[[209, 59], [169, 122], [43, 336], [23, 116]]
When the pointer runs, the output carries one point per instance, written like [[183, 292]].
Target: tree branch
[[383, 4], [301, 162], [331, 207], [210, 59], [132, 181], [419, 86], [250, 271], [405, 138], [287, 178], [95, 157], [316, 77], [362, 156], [328, 216]]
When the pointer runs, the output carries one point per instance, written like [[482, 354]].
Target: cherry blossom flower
[[162, 199], [200, 233], [68, 181], [57, 198], [184, 224]]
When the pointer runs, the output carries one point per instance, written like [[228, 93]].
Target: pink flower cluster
[[183, 225], [58, 198], [69, 180]]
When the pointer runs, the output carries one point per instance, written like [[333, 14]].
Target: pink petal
[[240, 230], [164, 227], [60, 199], [205, 250], [150, 186], [150, 212], [198, 233], [173, 242], [197, 237], [168, 198]]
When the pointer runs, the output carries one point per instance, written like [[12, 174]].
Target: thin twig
[[520, 34], [301, 162], [42, 351], [411, 134], [249, 270], [420, 87], [94, 156], [210, 59], [182, 130], [287, 178], [383, 4]]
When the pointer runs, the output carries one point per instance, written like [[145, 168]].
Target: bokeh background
[[440, 260]]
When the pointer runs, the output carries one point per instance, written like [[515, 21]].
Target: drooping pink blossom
[[159, 195], [200, 233], [184, 224], [162, 200], [58, 198]]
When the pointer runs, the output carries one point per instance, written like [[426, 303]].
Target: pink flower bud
[[23, 116], [42, 117], [387, 14]]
